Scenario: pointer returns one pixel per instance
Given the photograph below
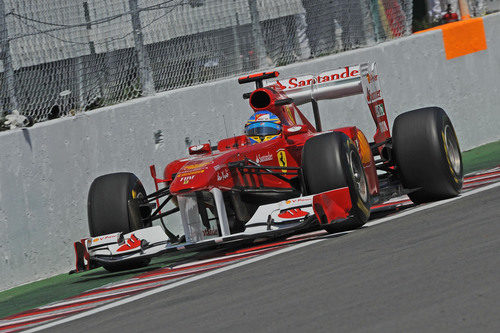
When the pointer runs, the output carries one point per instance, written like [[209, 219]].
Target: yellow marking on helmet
[[269, 137]]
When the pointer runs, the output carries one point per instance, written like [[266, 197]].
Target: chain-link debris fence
[[61, 57]]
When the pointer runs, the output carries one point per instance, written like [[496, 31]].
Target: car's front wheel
[[108, 209], [331, 161]]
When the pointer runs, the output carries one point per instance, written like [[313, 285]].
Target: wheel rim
[[452, 149], [358, 176]]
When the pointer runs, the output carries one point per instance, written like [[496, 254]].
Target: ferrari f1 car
[[306, 178]]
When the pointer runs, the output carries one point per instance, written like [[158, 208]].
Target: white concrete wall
[[46, 170]]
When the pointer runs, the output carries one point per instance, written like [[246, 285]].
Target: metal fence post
[[144, 69], [86, 13], [377, 23], [464, 9], [236, 40], [7, 60], [257, 33], [408, 10]]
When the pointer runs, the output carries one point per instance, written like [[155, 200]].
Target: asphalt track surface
[[433, 270]]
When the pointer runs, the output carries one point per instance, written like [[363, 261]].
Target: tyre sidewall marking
[[362, 206], [446, 153], [357, 197]]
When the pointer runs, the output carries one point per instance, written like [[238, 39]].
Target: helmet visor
[[262, 128]]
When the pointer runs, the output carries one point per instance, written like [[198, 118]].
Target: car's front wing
[[269, 221]]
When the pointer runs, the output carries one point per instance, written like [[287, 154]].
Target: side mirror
[[294, 130], [200, 149]]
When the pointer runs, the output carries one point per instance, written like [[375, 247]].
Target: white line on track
[[248, 261]]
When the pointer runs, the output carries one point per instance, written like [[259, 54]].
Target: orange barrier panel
[[462, 37]]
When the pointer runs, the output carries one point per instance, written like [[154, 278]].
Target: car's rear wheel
[[427, 154], [331, 161], [108, 209]]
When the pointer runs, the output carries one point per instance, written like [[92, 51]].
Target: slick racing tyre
[[331, 161], [108, 210], [108, 203], [427, 154]]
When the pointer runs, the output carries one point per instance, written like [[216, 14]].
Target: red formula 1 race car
[[304, 178]]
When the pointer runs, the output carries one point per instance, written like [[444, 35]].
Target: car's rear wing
[[337, 83]]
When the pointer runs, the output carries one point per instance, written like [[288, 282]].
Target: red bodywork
[[332, 205], [209, 170]]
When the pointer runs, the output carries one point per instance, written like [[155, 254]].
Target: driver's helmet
[[262, 126]]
